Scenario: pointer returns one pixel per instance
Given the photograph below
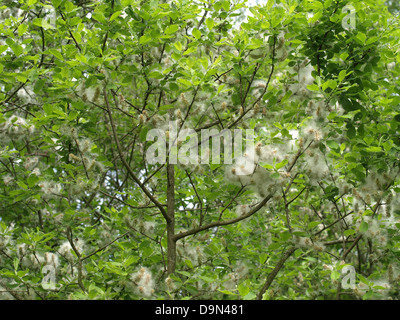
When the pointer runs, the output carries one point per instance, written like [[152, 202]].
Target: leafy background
[[83, 82]]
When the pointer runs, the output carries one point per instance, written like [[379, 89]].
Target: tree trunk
[[171, 242]]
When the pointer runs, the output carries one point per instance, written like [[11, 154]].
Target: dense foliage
[[82, 84]]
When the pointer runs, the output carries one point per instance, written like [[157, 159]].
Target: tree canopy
[[309, 210]]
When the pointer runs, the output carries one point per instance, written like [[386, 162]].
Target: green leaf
[[313, 87], [185, 82], [263, 257], [327, 3], [48, 108], [16, 263], [329, 84], [190, 50], [155, 75], [3, 48], [22, 185], [266, 166], [335, 275], [166, 107], [56, 53], [32, 180], [281, 164], [349, 232], [22, 29], [374, 149], [243, 289], [226, 292], [178, 45], [56, 3], [226, 5], [46, 25], [17, 49], [115, 15], [73, 115], [196, 33], [38, 85], [145, 39], [361, 37], [250, 296], [210, 23], [363, 226], [99, 16], [313, 224], [171, 29], [372, 40], [189, 263], [332, 144], [342, 75]]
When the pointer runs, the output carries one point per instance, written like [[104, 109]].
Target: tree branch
[[274, 272], [125, 163], [223, 223]]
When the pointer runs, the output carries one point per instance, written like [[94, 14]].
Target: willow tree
[[85, 213]]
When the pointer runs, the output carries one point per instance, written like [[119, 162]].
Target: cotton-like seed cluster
[[258, 87], [31, 162], [281, 54], [82, 184], [271, 153], [6, 235], [393, 274], [4, 294], [299, 280], [373, 227], [246, 170], [169, 282], [315, 165], [4, 240], [304, 242], [230, 281], [241, 270], [242, 209], [184, 100], [90, 166], [327, 267], [7, 179], [391, 65], [143, 117], [34, 260], [66, 250], [389, 222], [15, 128], [146, 227], [373, 188], [70, 273], [317, 109], [106, 235], [70, 132], [26, 94], [50, 189], [21, 250], [91, 94], [301, 77], [143, 282], [311, 132], [185, 251]]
